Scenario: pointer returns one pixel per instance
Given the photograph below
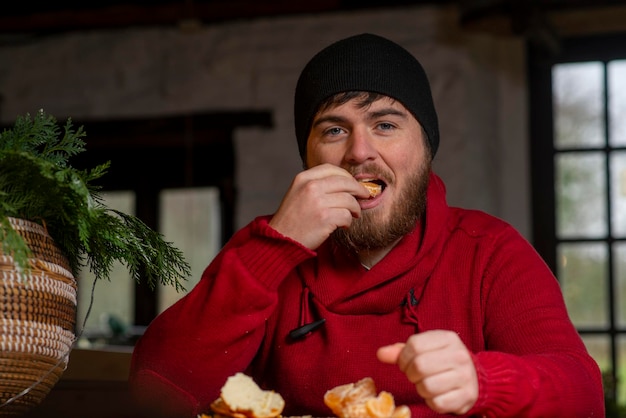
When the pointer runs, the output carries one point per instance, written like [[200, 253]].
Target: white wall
[[478, 85]]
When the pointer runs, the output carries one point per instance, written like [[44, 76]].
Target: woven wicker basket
[[37, 321]]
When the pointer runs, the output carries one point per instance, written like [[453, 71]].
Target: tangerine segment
[[359, 400], [373, 188], [402, 411], [350, 396], [355, 410], [334, 397], [362, 390], [382, 406]]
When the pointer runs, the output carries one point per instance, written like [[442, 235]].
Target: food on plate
[[241, 397], [360, 400], [374, 188]]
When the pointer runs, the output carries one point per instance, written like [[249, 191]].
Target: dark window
[[578, 142], [149, 156]]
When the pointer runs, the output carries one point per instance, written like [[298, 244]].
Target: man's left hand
[[440, 366]]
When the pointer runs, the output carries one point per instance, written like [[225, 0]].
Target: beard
[[375, 231]]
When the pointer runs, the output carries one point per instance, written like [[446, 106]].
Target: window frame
[[148, 155], [600, 48]]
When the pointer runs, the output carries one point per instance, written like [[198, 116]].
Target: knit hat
[[370, 63]]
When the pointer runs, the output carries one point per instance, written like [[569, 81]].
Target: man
[[450, 310]]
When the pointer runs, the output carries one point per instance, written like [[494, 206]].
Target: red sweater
[[464, 271]]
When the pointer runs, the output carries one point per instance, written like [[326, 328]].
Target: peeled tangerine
[[373, 188], [359, 400]]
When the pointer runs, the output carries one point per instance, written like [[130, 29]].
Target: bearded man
[[448, 309]]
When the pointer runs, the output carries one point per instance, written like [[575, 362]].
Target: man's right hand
[[319, 200]]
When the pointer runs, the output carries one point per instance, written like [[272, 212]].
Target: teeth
[[374, 189]]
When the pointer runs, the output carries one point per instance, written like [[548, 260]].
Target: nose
[[360, 147]]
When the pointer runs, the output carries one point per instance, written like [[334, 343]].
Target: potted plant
[[53, 224]]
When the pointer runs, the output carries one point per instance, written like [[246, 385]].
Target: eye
[[386, 126], [333, 131]]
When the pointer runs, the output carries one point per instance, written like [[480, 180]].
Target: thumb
[[390, 353]]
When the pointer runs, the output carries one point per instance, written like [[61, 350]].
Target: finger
[[437, 384], [323, 171], [452, 402], [326, 171], [389, 354], [348, 185], [330, 191], [433, 340], [343, 201], [338, 217], [438, 361]]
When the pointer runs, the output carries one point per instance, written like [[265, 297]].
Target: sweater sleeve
[[536, 364], [187, 352]]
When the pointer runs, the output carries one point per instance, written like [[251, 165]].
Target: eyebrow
[[370, 116], [387, 111], [328, 118]]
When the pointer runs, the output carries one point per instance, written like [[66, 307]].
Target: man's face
[[381, 142]]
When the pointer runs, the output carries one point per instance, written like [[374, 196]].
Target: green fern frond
[[38, 183]]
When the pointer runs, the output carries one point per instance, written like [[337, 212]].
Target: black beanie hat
[[370, 63]]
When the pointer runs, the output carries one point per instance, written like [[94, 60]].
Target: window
[[578, 143], [190, 220], [183, 187], [99, 302]]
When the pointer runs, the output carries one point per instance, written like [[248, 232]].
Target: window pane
[[582, 272], [599, 348], [190, 219], [621, 370], [617, 102], [581, 195], [113, 299], [578, 92], [619, 255], [618, 193]]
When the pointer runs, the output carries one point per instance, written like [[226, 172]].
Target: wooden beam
[[167, 13]]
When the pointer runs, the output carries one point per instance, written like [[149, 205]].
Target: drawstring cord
[[305, 325]]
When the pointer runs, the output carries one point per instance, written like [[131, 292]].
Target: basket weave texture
[[37, 321]]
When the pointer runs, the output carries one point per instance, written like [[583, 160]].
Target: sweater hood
[[361, 290]]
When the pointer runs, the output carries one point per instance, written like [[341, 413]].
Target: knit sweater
[[460, 270]]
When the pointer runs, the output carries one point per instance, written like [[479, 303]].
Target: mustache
[[370, 169]]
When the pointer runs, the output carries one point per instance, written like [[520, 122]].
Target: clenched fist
[[440, 366]]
